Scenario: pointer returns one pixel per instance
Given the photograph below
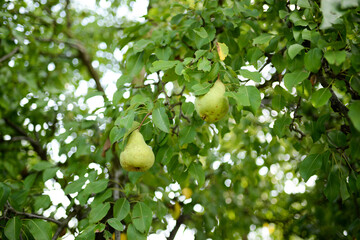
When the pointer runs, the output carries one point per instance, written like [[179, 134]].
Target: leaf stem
[[148, 114]]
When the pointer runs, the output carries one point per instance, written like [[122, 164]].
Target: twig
[[63, 225], [32, 215], [292, 126], [180, 221], [34, 143], [10, 54], [148, 114]]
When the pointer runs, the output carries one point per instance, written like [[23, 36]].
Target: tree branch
[[34, 143], [32, 215], [180, 221], [63, 225], [10, 54]]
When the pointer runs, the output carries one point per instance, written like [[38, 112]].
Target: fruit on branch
[[187, 192], [212, 106], [137, 156]]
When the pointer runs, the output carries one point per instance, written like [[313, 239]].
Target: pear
[[137, 156], [213, 105]]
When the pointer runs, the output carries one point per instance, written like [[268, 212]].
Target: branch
[[336, 104], [63, 225], [34, 143], [10, 54], [292, 126], [32, 215], [180, 221]]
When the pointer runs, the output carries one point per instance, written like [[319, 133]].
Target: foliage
[[291, 71]]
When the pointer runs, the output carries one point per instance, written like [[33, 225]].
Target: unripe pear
[[213, 106], [137, 156]]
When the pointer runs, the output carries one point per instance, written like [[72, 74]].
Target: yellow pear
[[137, 156], [213, 105]]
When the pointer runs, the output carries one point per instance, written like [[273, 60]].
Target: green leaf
[[294, 50], [312, 60], [303, 3], [201, 32], [42, 165], [42, 202], [320, 97], [354, 114], [263, 38], [98, 186], [197, 172], [87, 234], [40, 229], [201, 89], [337, 138], [102, 197], [75, 186], [134, 64], [331, 13], [134, 234], [29, 181], [4, 194], [199, 54], [141, 45], [125, 121], [294, 78], [121, 208], [278, 102], [161, 119], [310, 165], [204, 65], [255, 76], [344, 190], [332, 187], [162, 65], [141, 217], [116, 134], [187, 134], [98, 212], [280, 125], [49, 173], [116, 224], [335, 57], [252, 95], [12, 228], [163, 53]]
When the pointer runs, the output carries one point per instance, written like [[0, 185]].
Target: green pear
[[213, 106], [137, 156]]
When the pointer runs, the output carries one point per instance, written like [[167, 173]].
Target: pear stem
[[148, 114]]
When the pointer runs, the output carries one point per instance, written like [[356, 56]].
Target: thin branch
[[292, 126], [180, 221], [34, 143], [63, 225], [32, 215], [148, 114], [10, 54]]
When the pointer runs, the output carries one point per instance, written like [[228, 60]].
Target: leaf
[[12, 228], [40, 229], [201, 89], [162, 65], [121, 208], [98, 212], [303, 3], [332, 187], [294, 50], [87, 234], [42, 165], [201, 32], [161, 119], [116, 224], [344, 190], [253, 96], [140, 45], [335, 57], [222, 50], [187, 135], [197, 172], [278, 102], [75, 186], [199, 54], [127, 120], [320, 97], [337, 138], [310, 165], [49, 173], [102, 197], [280, 125], [141, 217], [29, 181], [42, 202], [116, 134], [204, 65], [263, 38], [98, 186], [331, 13], [134, 234], [255, 76], [312, 60], [354, 114], [294, 78]]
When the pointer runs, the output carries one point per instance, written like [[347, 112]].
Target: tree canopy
[[284, 159]]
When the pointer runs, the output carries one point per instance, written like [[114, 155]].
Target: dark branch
[[10, 54], [32, 215], [34, 143], [180, 221], [63, 225]]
